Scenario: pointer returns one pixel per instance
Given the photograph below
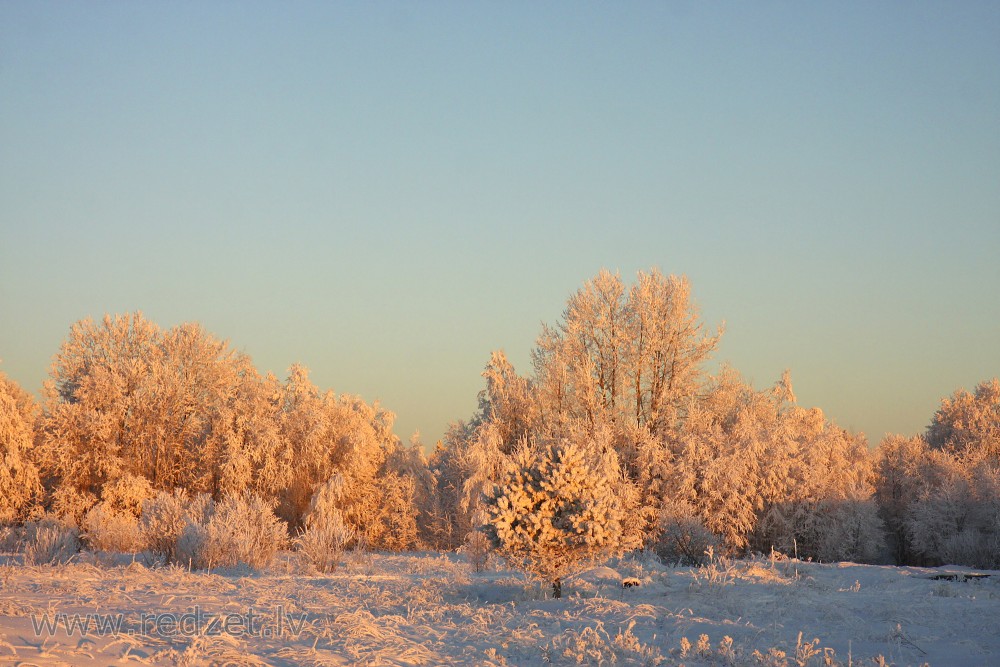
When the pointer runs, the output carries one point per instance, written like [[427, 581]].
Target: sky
[[386, 192]]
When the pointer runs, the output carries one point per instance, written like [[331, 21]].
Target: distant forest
[[137, 421]]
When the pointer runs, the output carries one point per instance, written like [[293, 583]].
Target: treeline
[[133, 414], [130, 409], [705, 461]]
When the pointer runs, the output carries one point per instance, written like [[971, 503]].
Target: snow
[[432, 609]]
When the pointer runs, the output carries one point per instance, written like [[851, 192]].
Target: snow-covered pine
[[554, 512]]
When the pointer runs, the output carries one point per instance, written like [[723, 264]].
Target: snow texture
[[430, 609]]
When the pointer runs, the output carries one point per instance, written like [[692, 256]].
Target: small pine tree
[[554, 513]]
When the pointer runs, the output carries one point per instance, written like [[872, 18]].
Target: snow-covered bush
[[50, 541], [191, 548], [164, 518], [326, 534], [243, 529], [477, 550], [683, 537], [323, 544], [127, 494], [554, 513], [72, 504], [108, 529]]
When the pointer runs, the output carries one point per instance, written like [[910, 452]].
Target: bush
[[683, 537], [106, 529], [244, 529], [477, 549], [323, 545], [71, 504], [50, 541], [127, 494], [165, 517], [191, 547], [326, 534]]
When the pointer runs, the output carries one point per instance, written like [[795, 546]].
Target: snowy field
[[431, 609]]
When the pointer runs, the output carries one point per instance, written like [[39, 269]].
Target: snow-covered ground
[[431, 609]]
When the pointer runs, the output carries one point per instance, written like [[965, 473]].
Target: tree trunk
[[557, 588]]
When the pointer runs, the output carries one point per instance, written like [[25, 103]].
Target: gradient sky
[[386, 192]]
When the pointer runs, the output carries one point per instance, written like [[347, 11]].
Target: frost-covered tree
[[723, 458], [760, 471], [623, 355], [553, 512], [410, 465], [940, 495], [954, 519], [451, 466], [329, 434], [177, 407], [898, 466], [969, 424], [507, 402], [19, 483], [619, 366]]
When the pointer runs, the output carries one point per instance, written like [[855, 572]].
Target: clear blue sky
[[387, 191]]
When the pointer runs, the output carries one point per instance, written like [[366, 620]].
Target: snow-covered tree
[[19, 483], [954, 517], [898, 463], [329, 434], [969, 424], [623, 355], [554, 512], [722, 458], [178, 408], [940, 495], [507, 402]]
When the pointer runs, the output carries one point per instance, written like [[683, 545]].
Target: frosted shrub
[[323, 543], [127, 493], [684, 539], [164, 518], [553, 513], [10, 536], [327, 534], [71, 504], [244, 529], [477, 550], [105, 529], [50, 541], [190, 548]]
